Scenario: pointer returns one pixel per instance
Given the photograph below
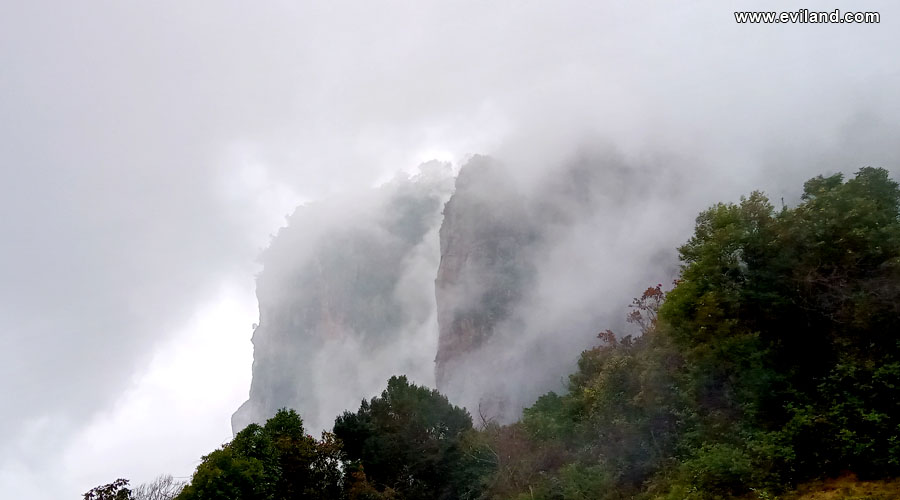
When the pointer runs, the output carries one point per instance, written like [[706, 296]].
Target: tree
[[788, 323], [116, 490], [225, 474], [161, 488], [774, 359], [407, 441], [275, 461]]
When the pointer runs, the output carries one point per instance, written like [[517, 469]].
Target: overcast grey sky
[[149, 149]]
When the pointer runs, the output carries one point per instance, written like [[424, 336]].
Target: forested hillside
[[771, 362]]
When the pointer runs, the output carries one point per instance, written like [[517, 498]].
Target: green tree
[[788, 323], [408, 442], [225, 474], [275, 461], [116, 490], [775, 358]]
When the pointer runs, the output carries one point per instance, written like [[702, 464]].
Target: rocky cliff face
[[493, 309], [529, 273], [486, 267], [346, 300]]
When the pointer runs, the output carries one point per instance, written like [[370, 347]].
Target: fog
[[589, 235], [346, 300], [150, 150]]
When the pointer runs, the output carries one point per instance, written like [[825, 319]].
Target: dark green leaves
[[407, 440], [275, 461]]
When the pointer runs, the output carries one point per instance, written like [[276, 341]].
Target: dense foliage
[[774, 359], [275, 461], [405, 444]]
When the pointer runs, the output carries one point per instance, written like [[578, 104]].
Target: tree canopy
[[773, 359], [407, 442], [275, 461]]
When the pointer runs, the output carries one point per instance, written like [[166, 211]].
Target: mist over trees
[[772, 360], [521, 286]]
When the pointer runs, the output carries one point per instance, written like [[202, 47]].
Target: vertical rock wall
[[491, 299], [346, 301]]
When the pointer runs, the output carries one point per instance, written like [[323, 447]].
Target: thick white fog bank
[[534, 266], [346, 299]]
